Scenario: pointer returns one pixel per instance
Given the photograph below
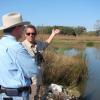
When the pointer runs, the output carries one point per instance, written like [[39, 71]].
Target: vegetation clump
[[63, 70], [90, 44]]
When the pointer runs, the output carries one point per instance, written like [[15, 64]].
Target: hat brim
[[22, 23]]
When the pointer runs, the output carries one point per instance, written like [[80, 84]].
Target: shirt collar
[[28, 43]]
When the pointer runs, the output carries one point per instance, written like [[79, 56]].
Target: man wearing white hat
[[16, 65]]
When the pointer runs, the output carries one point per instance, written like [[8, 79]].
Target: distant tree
[[79, 30], [65, 30], [44, 29], [97, 27]]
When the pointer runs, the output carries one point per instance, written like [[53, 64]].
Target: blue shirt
[[16, 65]]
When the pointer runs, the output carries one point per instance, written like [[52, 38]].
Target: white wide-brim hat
[[12, 19]]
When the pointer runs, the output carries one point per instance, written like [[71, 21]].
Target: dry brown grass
[[64, 41], [72, 38], [63, 70]]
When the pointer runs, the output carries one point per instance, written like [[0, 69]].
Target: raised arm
[[54, 32]]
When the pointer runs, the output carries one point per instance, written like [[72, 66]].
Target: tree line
[[65, 30]]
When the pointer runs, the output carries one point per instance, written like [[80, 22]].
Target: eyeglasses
[[31, 33]]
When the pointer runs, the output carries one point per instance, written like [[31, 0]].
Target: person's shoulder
[[23, 42], [41, 45], [38, 42], [8, 41]]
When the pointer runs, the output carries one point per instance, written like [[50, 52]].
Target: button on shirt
[[16, 65]]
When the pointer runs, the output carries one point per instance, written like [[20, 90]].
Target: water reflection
[[92, 91], [92, 88], [71, 52]]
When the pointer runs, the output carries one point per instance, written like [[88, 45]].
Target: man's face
[[30, 35], [17, 32]]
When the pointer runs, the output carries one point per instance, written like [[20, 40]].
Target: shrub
[[89, 44]]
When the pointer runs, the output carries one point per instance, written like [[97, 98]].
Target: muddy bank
[[46, 94]]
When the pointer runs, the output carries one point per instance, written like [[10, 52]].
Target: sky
[[55, 12]]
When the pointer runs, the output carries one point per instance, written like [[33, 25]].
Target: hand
[[55, 31]]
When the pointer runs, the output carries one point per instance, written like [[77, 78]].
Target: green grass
[[78, 43], [90, 44]]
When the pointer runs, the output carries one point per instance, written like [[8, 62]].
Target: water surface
[[92, 87]]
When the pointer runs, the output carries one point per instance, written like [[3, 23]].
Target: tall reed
[[63, 70]]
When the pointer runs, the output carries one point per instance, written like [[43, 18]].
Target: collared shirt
[[28, 46], [39, 46], [36, 51], [16, 65]]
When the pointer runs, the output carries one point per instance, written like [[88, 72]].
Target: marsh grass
[[78, 42], [60, 69], [90, 43], [63, 70]]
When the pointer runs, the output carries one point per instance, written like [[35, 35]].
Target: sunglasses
[[30, 34]]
